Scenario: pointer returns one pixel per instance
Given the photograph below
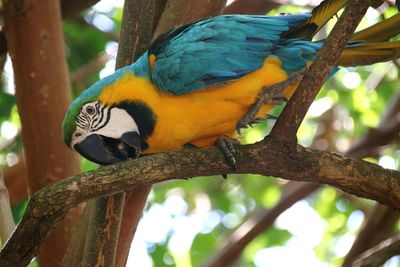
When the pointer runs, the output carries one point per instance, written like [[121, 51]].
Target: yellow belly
[[199, 117]]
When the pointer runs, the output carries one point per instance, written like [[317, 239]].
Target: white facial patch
[[119, 123], [95, 118]]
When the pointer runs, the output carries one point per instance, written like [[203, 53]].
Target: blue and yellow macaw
[[196, 81]]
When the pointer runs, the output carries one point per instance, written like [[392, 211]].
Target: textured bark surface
[[272, 158], [179, 12], [103, 230], [34, 36]]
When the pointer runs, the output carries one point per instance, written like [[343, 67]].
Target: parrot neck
[[141, 67]]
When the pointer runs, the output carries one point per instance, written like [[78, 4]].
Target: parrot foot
[[271, 95], [225, 144]]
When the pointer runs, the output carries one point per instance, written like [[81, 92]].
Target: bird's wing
[[216, 50]]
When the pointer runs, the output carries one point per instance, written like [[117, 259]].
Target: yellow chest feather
[[199, 117]]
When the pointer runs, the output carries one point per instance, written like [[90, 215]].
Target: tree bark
[[35, 40], [273, 157], [179, 12], [103, 230]]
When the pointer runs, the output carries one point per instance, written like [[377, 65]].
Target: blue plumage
[[224, 48]]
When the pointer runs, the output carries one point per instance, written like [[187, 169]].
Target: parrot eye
[[90, 110]]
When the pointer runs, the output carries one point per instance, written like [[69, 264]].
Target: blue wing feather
[[224, 48]]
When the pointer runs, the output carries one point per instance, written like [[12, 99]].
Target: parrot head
[[105, 133]]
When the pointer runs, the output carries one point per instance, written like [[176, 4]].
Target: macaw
[[196, 81]]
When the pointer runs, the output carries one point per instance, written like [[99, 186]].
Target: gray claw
[[226, 145]]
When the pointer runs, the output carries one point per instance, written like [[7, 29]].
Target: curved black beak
[[104, 150]]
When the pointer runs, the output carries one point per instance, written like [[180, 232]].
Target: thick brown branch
[[289, 121], [272, 156]]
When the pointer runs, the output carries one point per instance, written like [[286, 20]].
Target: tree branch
[[34, 31], [184, 11], [273, 157], [379, 254], [246, 232], [73, 256], [103, 230], [293, 114]]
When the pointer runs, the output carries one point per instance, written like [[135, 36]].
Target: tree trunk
[[35, 40]]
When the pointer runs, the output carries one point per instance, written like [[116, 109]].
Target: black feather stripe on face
[[143, 116]]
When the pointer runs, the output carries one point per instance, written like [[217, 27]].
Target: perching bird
[[197, 81]]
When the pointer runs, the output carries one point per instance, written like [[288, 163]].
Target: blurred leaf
[[203, 246]]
